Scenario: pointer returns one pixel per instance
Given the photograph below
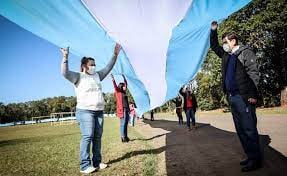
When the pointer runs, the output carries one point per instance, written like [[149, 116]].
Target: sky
[[30, 67]]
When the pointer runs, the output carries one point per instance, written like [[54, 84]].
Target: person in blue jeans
[[90, 106], [133, 114], [240, 78], [189, 106]]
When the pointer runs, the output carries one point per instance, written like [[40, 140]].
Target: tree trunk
[[284, 96]]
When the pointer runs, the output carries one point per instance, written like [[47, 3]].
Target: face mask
[[123, 88], [91, 70], [226, 47]]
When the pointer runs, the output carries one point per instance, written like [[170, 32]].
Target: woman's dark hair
[[121, 86], [231, 36], [84, 61]]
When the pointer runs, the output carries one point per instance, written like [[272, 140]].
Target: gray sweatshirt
[[75, 76]]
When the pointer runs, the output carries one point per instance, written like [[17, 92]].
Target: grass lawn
[[54, 150]]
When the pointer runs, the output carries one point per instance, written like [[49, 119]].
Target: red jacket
[[119, 98], [189, 102]]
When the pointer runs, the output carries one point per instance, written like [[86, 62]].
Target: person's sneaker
[[101, 166], [89, 170]]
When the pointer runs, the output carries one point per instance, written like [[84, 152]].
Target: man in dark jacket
[[178, 106], [240, 78]]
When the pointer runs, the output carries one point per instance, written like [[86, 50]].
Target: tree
[[23, 111], [208, 92], [2, 113], [110, 106]]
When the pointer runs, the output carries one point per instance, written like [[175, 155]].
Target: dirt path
[[213, 149]]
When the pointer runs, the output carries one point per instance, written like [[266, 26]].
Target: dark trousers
[[245, 121], [179, 115], [124, 123], [190, 115], [151, 116]]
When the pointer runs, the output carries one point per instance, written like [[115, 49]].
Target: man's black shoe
[[127, 139], [244, 162], [251, 166]]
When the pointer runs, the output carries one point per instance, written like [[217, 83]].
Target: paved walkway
[[214, 148]]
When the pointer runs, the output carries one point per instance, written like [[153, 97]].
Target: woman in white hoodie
[[90, 106]]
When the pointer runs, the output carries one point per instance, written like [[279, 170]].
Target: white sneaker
[[102, 166], [89, 170]]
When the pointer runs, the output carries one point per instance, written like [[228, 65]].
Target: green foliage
[[208, 92], [23, 111], [130, 97], [110, 106], [167, 107]]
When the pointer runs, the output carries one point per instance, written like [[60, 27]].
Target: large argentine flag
[[164, 41]]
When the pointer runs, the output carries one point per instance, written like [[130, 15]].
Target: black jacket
[[178, 102], [246, 74], [194, 102]]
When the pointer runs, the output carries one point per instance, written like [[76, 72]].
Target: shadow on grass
[[32, 139], [136, 153], [142, 139]]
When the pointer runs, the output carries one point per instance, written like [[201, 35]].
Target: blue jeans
[[245, 121], [124, 124], [190, 115], [91, 126]]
